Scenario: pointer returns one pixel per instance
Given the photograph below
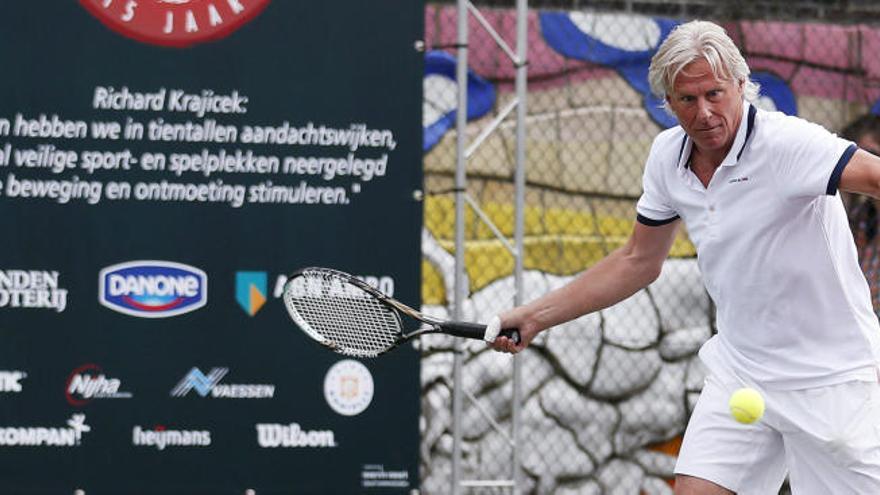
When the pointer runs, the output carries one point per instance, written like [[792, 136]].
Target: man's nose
[[704, 110]]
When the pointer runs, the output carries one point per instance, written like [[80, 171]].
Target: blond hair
[[692, 41]]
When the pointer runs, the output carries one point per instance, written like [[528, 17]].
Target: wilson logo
[[293, 436], [152, 289], [178, 23]]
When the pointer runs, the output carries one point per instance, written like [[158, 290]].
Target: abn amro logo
[[250, 291]]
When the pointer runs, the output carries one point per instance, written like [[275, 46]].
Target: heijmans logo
[[176, 23], [152, 289]]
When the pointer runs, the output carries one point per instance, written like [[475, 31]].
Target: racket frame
[[434, 325]]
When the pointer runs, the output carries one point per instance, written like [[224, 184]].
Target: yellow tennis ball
[[746, 405]]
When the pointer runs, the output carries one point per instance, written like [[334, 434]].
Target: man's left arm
[[862, 174]]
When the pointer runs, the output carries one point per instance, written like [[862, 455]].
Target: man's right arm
[[613, 279]]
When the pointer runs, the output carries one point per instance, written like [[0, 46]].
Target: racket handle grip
[[476, 331], [493, 330]]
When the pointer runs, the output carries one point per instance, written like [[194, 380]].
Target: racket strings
[[341, 315]]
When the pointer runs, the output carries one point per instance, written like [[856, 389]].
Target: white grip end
[[492, 329]]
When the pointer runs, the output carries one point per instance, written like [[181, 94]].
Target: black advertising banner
[[163, 165]]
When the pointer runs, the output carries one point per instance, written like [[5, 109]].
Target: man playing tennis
[[758, 193]]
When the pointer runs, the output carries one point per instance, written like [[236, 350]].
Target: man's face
[[709, 109]]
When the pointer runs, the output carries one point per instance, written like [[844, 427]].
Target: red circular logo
[[176, 23]]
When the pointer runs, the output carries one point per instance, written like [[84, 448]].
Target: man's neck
[[711, 159]]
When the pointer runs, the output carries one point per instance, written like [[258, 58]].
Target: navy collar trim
[[749, 126]]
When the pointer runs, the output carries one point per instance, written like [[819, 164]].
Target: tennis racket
[[351, 317]]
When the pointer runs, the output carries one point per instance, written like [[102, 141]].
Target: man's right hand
[[514, 318]]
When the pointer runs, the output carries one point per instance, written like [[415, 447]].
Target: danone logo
[[152, 289], [177, 23]]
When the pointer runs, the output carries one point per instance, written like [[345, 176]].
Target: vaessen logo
[[152, 289], [209, 385]]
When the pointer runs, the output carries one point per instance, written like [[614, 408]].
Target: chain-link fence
[[606, 397]]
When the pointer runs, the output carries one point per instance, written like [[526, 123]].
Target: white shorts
[[827, 439]]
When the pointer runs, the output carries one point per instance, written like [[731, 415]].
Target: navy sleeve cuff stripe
[[834, 181], [654, 223]]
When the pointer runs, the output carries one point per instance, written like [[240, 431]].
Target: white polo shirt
[[775, 250]]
